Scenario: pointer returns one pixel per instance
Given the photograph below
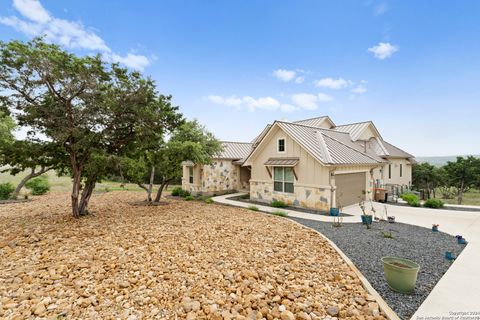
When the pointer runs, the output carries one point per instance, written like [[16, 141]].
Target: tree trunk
[[31, 175], [150, 185], [75, 192], [86, 194], [160, 190]]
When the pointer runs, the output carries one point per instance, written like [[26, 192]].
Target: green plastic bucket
[[401, 274]]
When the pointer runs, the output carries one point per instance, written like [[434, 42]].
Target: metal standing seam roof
[[286, 162], [395, 151], [331, 147], [354, 129], [314, 122], [234, 150]]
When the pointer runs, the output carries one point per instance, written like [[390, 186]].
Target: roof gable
[[326, 146], [319, 122], [360, 130]]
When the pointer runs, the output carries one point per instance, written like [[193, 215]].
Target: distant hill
[[439, 161]]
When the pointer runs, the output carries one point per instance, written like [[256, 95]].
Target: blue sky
[[413, 67]]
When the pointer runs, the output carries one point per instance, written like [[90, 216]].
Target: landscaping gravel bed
[[366, 247], [180, 260]]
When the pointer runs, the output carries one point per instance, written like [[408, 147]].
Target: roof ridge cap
[[313, 127], [323, 146], [349, 124]]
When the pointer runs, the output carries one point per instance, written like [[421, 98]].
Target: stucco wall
[[315, 197], [406, 178]]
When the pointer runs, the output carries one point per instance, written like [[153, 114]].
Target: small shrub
[[278, 204], [6, 190], [411, 199], [279, 213], [38, 186], [209, 200], [434, 203], [253, 208], [179, 192], [189, 198], [176, 191]]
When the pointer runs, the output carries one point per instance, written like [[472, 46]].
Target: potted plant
[[449, 255], [334, 212], [401, 274], [435, 227], [366, 218]]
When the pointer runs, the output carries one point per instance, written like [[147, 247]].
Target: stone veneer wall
[[304, 196], [220, 176]]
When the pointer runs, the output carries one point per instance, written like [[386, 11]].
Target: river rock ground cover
[[182, 260], [366, 247]]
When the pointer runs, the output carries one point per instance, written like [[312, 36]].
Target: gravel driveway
[[366, 247]]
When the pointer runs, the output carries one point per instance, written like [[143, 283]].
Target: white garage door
[[350, 188]]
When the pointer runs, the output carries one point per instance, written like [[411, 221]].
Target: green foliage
[[38, 186], [411, 199], [434, 203], [189, 198], [387, 234], [463, 174], [428, 177], [6, 190], [279, 213], [88, 113], [179, 192], [6, 127], [253, 208], [209, 200], [278, 204]]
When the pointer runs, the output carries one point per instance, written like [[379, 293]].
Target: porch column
[[333, 190]]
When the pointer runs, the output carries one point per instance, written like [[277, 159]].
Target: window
[[281, 145], [389, 171], [283, 179], [190, 174], [401, 170]]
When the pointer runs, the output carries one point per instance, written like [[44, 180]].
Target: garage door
[[350, 187]]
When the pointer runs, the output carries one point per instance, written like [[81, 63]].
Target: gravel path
[[366, 247]]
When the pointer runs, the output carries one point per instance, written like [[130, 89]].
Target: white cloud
[[284, 75], [331, 83], [134, 61], [250, 103], [309, 101], [305, 101], [299, 80], [383, 50], [359, 89], [71, 34], [33, 10]]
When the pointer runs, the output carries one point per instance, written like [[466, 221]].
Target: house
[[310, 163]]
